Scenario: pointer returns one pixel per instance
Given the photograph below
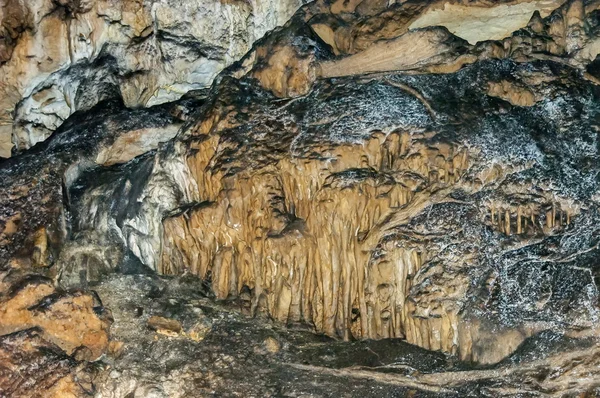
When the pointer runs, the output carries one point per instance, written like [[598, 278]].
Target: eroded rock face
[[349, 173], [476, 24], [70, 326], [59, 57], [31, 367], [382, 227], [382, 206], [71, 321]]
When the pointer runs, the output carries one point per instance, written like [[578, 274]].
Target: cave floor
[[223, 352]]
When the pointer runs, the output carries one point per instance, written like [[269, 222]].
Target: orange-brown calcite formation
[[300, 234], [424, 171], [32, 367], [66, 320]]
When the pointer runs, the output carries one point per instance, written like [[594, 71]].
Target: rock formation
[[371, 169], [60, 56]]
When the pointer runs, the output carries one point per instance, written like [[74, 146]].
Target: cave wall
[[58, 57], [329, 222], [367, 169]]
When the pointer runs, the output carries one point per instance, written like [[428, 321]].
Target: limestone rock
[[33, 178], [272, 345], [516, 95], [32, 367], [163, 325], [351, 173], [231, 359], [413, 50], [34, 251], [335, 232], [68, 320], [60, 57], [476, 24], [199, 330]]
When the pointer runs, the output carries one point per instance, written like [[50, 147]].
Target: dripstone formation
[[394, 198]]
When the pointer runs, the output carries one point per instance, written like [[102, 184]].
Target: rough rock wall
[[382, 227], [58, 57], [386, 205], [348, 173], [49, 332]]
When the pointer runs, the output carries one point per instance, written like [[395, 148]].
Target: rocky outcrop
[[477, 24], [71, 321], [372, 230], [52, 331], [349, 173]]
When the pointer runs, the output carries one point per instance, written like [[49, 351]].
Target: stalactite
[[553, 216], [295, 235]]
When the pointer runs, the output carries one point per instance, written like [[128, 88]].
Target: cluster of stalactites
[[529, 219], [300, 236]]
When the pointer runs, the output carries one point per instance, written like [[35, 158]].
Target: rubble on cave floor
[[218, 350]]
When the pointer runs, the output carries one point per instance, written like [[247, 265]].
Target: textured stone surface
[[233, 357], [476, 24], [71, 321], [374, 229], [59, 57], [349, 175], [32, 367]]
